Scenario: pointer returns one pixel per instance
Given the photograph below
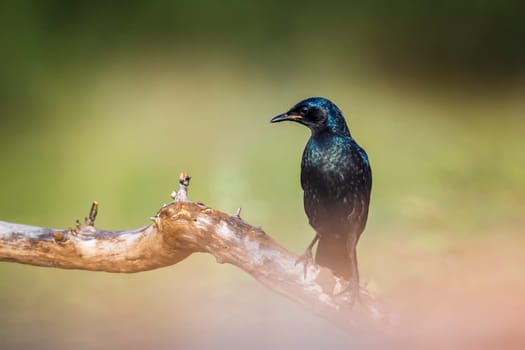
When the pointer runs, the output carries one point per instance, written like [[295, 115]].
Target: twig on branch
[[90, 220], [178, 230]]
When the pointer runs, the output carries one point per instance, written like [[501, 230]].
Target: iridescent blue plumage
[[337, 180]]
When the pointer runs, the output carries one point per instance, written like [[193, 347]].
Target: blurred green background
[[110, 101]]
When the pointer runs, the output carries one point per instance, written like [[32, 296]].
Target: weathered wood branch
[[178, 230]]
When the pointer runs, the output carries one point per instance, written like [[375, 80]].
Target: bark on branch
[[178, 230]]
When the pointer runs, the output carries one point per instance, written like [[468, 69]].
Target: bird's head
[[317, 113]]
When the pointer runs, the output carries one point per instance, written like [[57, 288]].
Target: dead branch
[[178, 230]]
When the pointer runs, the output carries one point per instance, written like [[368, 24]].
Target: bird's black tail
[[339, 255]]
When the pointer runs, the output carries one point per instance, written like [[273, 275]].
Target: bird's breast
[[333, 167]]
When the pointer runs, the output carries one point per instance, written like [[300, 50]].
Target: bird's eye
[[303, 110]]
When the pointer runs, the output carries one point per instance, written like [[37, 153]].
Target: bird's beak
[[286, 116]]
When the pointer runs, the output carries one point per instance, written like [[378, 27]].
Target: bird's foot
[[306, 259], [354, 291]]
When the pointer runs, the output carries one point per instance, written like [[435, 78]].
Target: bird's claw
[[306, 259], [355, 292]]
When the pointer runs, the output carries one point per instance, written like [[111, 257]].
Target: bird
[[336, 178]]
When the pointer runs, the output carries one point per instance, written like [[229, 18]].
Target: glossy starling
[[337, 180]]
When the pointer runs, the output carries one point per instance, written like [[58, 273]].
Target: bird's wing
[[353, 190]]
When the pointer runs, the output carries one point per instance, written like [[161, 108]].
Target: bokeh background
[[109, 101]]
